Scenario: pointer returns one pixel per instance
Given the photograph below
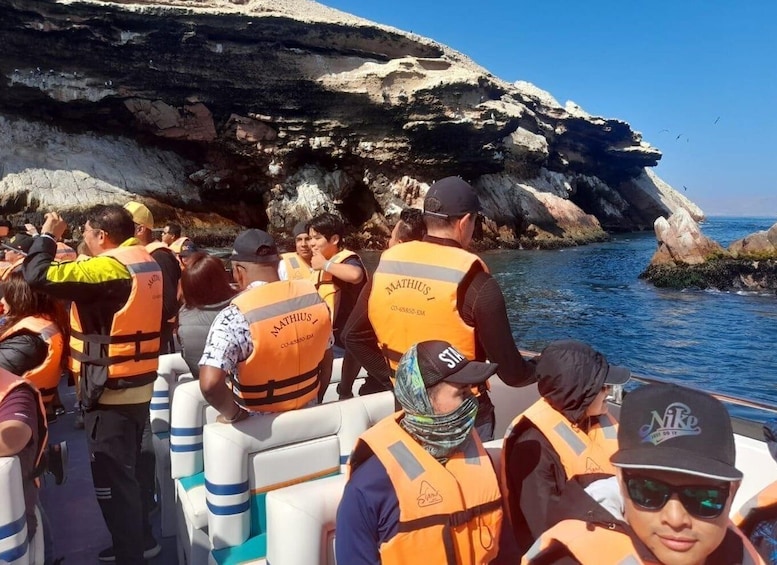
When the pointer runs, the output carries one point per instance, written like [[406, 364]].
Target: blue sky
[[668, 64]]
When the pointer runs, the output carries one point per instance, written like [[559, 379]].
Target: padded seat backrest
[[312, 509], [190, 412], [378, 406], [262, 453], [760, 470], [13, 515], [159, 409]]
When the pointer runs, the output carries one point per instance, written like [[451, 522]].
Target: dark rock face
[[721, 274], [255, 100]]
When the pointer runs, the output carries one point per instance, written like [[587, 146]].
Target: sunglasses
[[700, 501]]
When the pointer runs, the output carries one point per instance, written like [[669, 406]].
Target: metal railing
[[617, 394]]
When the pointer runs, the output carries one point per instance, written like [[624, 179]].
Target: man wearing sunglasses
[[672, 493]]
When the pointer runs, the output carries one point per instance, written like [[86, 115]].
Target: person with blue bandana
[[421, 487]]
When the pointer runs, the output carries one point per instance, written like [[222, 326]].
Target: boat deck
[[77, 526]]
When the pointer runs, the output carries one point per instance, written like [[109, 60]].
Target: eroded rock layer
[[265, 112]]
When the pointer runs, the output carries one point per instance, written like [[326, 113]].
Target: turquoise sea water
[[724, 342]]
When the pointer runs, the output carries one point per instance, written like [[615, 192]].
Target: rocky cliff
[[262, 112], [685, 258]]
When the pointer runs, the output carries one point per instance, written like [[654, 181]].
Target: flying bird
[[685, 187], [678, 137], [716, 120]]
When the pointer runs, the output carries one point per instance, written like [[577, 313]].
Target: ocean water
[[724, 342], [719, 341]]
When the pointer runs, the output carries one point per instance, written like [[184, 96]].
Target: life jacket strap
[[271, 386]]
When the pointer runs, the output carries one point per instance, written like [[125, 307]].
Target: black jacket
[[535, 474], [22, 352]]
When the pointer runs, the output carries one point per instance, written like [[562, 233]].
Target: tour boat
[[273, 481]]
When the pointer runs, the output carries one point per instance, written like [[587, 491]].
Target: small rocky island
[[687, 259], [227, 113]]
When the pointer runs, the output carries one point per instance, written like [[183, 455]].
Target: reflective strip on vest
[[406, 460], [574, 442], [609, 429], [418, 270], [294, 262], [281, 308]]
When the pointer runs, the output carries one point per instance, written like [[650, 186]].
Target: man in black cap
[[421, 487], [670, 501], [273, 341], [16, 249], [566, 433], [296, 264], [435, 289]]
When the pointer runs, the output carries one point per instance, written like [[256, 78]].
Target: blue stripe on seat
[[344, 459], [13, 528], [229, 509], [185, 448], [176, 431], [188, 483], [225, 490], [160, 394], [15, 553], [162, 435], [159, 406], [253, 548]]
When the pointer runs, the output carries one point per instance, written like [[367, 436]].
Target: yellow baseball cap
[[140, 214]]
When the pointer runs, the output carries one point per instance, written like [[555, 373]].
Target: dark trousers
[[147, 473], [114, 436]]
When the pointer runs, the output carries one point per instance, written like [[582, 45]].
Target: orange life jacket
[[65, 253], [290, 331], [132, 352], [178, 244], [449, 514], [10, 269], [46, 375], [593, 544], [296, 266], [415, 298], [10, 382], [766, 499], [326, 285], [580, 452]]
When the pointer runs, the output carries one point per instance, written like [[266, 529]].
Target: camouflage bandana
[[439, 434]]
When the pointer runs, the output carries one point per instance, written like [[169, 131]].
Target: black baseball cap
[[300, 228], [254, 246], [21, 242], [440, 361], [667, 427], [568, 357], [451, 197]]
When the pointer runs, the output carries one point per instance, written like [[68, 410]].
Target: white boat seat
[[312, 508], [245, 461], [190, 412], [752, 456], [172, 371], [14, 547]]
